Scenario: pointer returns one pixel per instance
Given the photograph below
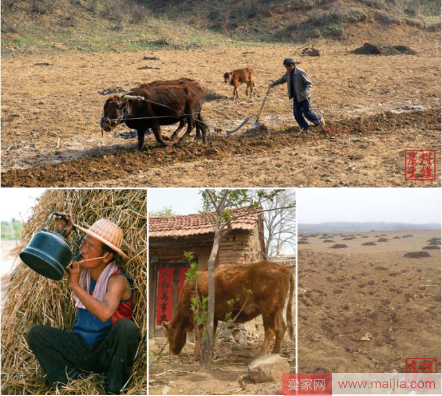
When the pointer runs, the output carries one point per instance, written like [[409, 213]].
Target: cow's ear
[[165, 325]]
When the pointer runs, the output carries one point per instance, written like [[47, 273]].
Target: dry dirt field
[[367, 308], [182, 375], [376, 106]]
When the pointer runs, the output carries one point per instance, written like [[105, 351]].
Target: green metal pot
[[47, 253]]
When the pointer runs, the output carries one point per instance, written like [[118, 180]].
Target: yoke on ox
[[270, 283], [150, 106]]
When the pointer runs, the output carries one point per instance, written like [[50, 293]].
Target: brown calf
[[241, 76], [270, 283]]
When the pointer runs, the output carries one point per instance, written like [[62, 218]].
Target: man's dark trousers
[[301, 110], [61, 353]]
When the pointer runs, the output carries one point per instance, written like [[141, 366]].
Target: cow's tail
[[290, 308]]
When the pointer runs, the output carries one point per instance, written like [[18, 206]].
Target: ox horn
[[137, 97]]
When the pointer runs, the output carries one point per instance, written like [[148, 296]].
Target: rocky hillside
[[302, 20], [102, 25]]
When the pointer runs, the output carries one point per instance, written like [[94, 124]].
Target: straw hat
[[108, 233]]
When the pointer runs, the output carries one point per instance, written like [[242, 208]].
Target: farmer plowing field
[[299, 89], [104, 338]]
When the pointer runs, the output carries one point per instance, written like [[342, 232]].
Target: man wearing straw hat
[[298, 88], [104, 338]]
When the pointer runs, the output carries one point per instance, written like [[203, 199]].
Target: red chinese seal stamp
[[421, 370], [420, 165], [421, 365]]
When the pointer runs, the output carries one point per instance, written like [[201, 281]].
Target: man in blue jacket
[[298, 87]]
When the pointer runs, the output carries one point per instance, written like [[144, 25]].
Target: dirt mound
[[383, 49], [328, 240], [417, 254], [303, 242], [348, 238], [380, 293], [397, 237], [369, 244], [434, 241], [382, 240], [431, 247], [339, 246]]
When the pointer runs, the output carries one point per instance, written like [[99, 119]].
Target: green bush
[[11, 230]]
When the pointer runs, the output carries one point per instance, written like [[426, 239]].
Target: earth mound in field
[[382, 49], [369, 244], [339, 246], [431, 247], [417, 254], [328, 240], [382, 240], [303, 243]]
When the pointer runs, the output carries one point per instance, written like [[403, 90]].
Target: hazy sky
[[18, 202], [181, 200], [408, 205]]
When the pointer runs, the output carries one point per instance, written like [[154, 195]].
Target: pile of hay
[[417, 254], [34, 299]]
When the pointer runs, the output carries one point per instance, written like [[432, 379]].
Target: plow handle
[[262, 106]]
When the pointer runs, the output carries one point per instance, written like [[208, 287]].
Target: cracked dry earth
[[376, 107]]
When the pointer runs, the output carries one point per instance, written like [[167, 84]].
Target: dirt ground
[[182, 375], [367, 308], [376, 107]]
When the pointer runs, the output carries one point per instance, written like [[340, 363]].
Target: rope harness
[[123, 115]]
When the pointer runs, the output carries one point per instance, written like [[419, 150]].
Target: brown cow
[[150, 106], [240, 76], [270, 283], [182, 81]]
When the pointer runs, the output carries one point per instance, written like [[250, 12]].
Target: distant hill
[[364, 227], [128, 25]]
